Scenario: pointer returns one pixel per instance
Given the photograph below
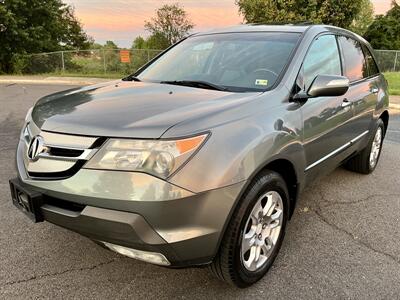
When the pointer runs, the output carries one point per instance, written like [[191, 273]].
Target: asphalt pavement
[[342, 242]]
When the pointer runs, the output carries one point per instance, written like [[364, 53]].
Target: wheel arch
[[385, 118], [281, 165], [288, 172]]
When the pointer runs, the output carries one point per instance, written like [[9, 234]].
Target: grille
[[60, 155]]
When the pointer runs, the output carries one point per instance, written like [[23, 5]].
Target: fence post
[[62, 61], [395, 62], [148, 55], [104, 61]]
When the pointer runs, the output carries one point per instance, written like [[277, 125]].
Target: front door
[[326, 120]]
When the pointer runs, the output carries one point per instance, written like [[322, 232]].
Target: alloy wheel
[[376, 148], [262, 231]]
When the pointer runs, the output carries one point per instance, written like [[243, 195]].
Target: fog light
[[151, 257]]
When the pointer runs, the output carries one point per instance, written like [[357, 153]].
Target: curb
[[394, 106], [55, 80]]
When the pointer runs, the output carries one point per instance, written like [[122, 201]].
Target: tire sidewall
[[381, 125], [270, 182]]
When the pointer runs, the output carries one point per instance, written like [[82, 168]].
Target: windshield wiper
[[198, 84], [131, 78]]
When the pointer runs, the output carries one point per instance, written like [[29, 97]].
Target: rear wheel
[[255, 233], [366, 161]]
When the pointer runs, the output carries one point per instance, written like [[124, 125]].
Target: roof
[[296, 28], [260, 28]]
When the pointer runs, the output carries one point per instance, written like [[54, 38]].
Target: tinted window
[[372, 66], [354, 60], [322, 59], [237, 61]]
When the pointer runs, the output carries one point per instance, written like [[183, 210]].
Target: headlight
[[157, 157], [28, 115], [25, 135]]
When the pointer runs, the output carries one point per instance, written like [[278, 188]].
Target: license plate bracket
[[27, 201]]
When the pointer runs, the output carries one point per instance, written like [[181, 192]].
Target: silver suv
[[199, 157]]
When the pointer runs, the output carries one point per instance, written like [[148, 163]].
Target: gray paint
[[247, 131]]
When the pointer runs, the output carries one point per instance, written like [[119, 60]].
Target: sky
[[122, 20]]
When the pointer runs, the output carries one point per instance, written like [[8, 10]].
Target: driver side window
[[323, 58]]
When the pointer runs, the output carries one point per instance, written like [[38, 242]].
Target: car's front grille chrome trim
[[86, 155], [60, 153]]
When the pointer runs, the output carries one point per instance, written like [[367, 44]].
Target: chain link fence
[[388, 60], [119, 62], [97, 62]]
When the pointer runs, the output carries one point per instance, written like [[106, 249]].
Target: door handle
[[346, 103], [374, 90]]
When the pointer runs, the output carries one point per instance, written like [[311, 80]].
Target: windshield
[[232, 61]]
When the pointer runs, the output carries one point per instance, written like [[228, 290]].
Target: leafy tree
[[31, 26], [96, 46], [339, 13], [171, 22], [155, 41], [384, 32], [139, 43], [110, 45], [364, 18]]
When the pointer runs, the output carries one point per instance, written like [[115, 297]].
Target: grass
[[92, 75], [393, 79]]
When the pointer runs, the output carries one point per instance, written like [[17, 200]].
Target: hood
[[128, 109]]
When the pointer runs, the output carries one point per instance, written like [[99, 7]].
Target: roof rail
[[300, 23]]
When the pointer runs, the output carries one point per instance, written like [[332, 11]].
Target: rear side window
[[372, 66], [354, 60], [322, 59]]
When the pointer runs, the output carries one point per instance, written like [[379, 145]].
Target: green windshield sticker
[[261, 82]]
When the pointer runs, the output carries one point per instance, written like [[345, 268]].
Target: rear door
[[364, 87]]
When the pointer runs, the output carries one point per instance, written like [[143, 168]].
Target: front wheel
[[366, 161], [255, 233]]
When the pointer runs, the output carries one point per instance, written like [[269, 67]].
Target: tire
[[361, 163], [230, 263]]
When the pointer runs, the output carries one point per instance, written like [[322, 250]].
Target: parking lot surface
[[342, 242]]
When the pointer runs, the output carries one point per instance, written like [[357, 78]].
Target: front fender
[[237, 150]]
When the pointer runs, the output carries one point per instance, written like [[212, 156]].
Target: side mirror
[[328, 86], [325, 86]]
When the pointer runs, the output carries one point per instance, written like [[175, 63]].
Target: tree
[[384, 32], [338, 13], [139, 43], [364, 18], [95, 46], [155, 41], [32, 26], [171, 22], [110, 45]]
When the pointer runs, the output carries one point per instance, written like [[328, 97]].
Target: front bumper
[[137, 211]]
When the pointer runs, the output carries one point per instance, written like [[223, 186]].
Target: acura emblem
[[36, 147]]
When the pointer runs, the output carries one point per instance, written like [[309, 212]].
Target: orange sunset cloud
[[123, 20]]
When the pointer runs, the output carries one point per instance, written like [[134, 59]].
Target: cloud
[[123, 20]]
